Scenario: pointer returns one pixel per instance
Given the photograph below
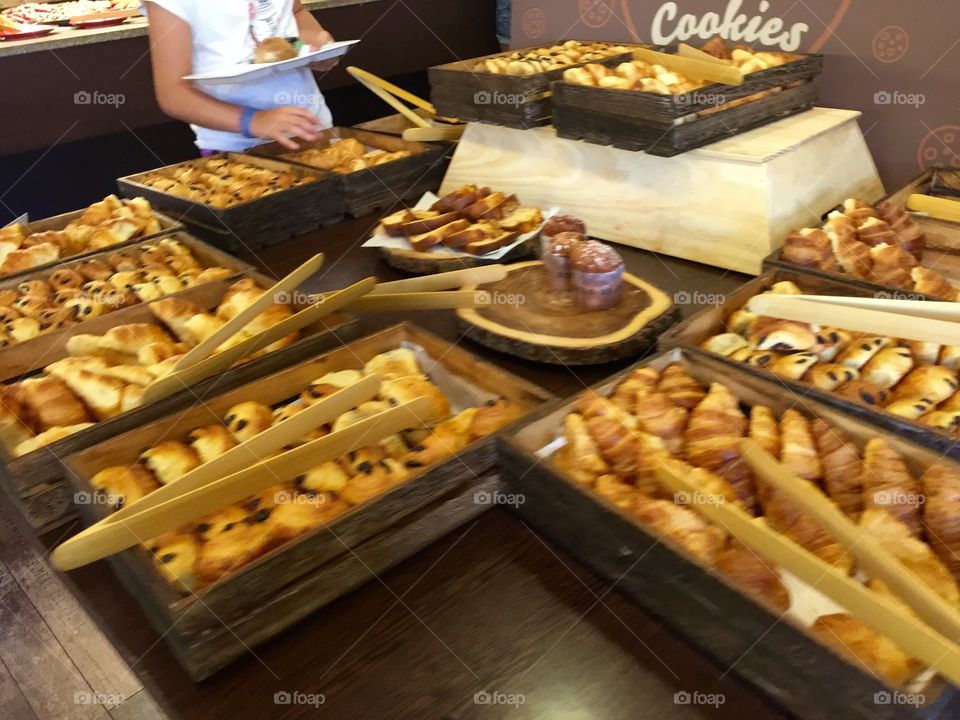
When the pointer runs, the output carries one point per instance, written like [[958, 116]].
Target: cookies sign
[[891, 60]]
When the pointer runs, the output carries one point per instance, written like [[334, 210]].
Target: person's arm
[[171, 52], [312, 33]]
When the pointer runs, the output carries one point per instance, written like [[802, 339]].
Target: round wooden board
[[527, 320], [426, 263]]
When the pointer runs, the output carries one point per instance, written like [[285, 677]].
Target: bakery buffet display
[[345, 156], [544, 59], [103, 224]]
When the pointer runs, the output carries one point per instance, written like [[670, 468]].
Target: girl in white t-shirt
[[195, 36]]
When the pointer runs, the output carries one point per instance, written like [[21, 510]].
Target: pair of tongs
[[931, 636], [877, 316], [432, 128], [202, 361]]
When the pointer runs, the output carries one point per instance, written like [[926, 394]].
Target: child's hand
[[286, 122]]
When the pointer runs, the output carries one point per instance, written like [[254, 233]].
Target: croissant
[[650, 453], [591, 405], [764, 430], [930, 282], [751, 572], [906, 231], [617, 445], [685, 527], [642, 380], [941, 514], [852, 255], [712, 441], [840, 226], [892, 266], [875, 232], [51, 403], [858, 211], [658, 416], [619, 493], [682, 389], [852, 639], [841, 465], [809, 247], [580, 457], [725, 344], [174, 312], [888, 484], [798, 451]]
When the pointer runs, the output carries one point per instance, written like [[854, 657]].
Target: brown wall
[[895, 61]]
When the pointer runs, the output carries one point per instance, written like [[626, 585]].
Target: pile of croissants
[[613, 445], [105, 375]]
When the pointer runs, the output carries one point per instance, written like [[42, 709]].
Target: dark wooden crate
[[59, 222], [382, 186], [775, 655], [579, 115], [692, 332], [260, 600], [34, 481], [943, 242], [456, 90], [257, 223]]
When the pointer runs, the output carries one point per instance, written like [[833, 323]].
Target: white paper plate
[[253, 71]]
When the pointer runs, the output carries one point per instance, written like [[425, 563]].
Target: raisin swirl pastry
[[248, 419], [888, 367]]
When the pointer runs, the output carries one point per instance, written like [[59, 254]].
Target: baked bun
[[809, 247], [850, 638], [725, 344], [66, 278], [907, 232], [874, 231], [793, 366], [446, 439], [122, 486], [781, 335], [174, 556], [170, 460], [372, 479], [95, 270], [211, 442], [299, 514], [830, 376], [248, 419], [864, 393], [234, 545], [326, 478], [888, 367], [174, 312], [858, 211], [840, 226], [930, 282], [52, 403], [274, 49], [402, 390], [852, 255], [861, 350], [909, 409], [394, 364], [829, 343], [933, 382], [493, 416], [892, 266], [48, 438], [924, 353], [329, 384]]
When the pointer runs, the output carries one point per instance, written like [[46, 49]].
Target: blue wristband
[[245, 121]]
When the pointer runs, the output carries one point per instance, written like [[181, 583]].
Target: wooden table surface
[[490, 607]]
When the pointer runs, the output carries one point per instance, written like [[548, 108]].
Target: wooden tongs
[[935, 207], [432, 128], [931, 636], [430, 293], [890, 317]]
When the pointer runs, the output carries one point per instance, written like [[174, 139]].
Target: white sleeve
[[183, 9]]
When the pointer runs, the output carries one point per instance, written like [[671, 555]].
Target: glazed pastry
[[809, 247], [22, 329], [830, 376], [248, 419], [932, 382], [31, 305], [394, 364], [16, 423], [372, 480], [885, 531], [762, 358], [909, 409], [892, 266], [941, 514], [639, 382], [174, 556], [170, 460], [174, 313], [888, 484], [66, 278], [682, 525], [794, 367], [659, 417], [326, 478], [948, 420], [402, 390], [329, 384], [39, 289], [852, 255], [741, 322], [106, 396], [48, 438], [924, 353], [124, 485], [858, 211], [860, 351], [851, 639], [298, 515], [950, 357], [864, 393], [447, 438], [618, 445], [829, 343], [616, 492], [95, 270], [682, 389], [712, 441], [751, 572], [781, 335], [211, 442], [887, 367], [764, 430], [875, 232], [52, 404], [725, 344], [798, 451], [493, 416], [580, 457], [840, 226], [840, 461], [907, 232], [930, 282], [235, 545], [238, 298], [591, 405]]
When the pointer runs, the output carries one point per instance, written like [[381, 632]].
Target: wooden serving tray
[[763, 648], [693, 331], [384, 185], [943, 241], [620, 118], [257, 223], [24, 357], [527, 320], [208, 631], [456, 90], [34, 481], [59, 222]]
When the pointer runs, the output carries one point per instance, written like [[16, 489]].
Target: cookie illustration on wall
[[940, 148], [891, 43], [534, 23], [595, 13]]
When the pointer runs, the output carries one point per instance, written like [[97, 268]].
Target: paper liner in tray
[[382, 240]]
